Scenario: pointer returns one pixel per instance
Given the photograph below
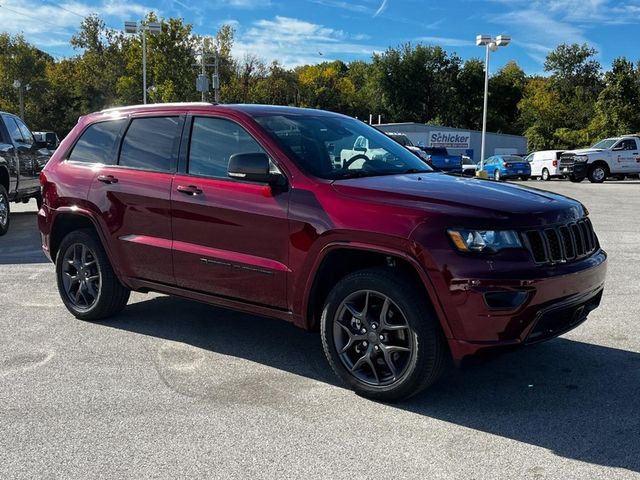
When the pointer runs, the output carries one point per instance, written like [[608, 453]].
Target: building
[[458, 141]]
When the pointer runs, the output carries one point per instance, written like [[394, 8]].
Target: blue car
[[502, 167]]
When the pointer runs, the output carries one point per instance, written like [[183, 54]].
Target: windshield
[[401, 139], [604, 144], [512, 158], [334, 147]]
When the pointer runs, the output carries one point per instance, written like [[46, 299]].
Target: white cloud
[[296, 42]]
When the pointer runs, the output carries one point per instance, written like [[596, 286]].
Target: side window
[[360, 143], [213, 141], [150, 143], [630, 144], [97, 142], [14, 130], [529, 158], [27, 137]]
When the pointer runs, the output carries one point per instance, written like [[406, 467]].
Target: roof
[[250, 109]]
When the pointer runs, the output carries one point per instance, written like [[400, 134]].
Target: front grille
[[567, 160], [562, 244]]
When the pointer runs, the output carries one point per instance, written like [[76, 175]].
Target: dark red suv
[[272, 210]]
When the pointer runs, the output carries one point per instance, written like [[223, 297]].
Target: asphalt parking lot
[[172, 388]]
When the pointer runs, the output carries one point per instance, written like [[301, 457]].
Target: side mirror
[[253, 167]]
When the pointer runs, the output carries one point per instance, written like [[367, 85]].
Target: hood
[[472, 198], [583, 151]]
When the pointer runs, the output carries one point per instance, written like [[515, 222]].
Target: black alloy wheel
[[381, 336]]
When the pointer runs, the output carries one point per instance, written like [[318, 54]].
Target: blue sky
[[310, 31]]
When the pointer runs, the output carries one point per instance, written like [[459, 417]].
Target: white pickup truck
[[361, 147], [618, 156]]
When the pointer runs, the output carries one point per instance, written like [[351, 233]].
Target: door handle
[[189, 190], [108, 179]]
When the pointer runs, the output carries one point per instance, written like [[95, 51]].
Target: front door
[[26, 151], [133, 197], [230, 237]]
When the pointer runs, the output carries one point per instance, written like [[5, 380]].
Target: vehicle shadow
[[22, 244], [580, 401]]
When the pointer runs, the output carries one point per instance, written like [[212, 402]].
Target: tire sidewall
[[592, 171], [79, 237], [421, 327], [496, 175], [5, 199], [545, 175]]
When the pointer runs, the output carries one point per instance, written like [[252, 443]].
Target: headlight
[[581, 158], [484, 240]]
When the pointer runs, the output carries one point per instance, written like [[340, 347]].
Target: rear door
[[230, 237], [133, 197]]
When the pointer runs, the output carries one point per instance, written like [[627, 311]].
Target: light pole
[[490, 44], [154, 28]]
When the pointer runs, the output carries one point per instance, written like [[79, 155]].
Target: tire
[[545, 175], [99, 299], [597, 173], [419, 351], [575, 179], [496, 175], [5, 211], [524, 179]]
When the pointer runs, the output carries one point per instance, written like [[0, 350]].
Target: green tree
[[506, 89], [617, 110], [426, 75]]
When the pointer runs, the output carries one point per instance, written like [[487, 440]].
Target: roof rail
[[159, 105]]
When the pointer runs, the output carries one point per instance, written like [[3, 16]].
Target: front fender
[[303, 287]]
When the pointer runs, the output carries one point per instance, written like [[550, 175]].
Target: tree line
[[572, 105]]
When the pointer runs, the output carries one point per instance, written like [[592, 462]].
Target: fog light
[[505, 299]]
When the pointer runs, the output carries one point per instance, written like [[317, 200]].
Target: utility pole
[[216, 79], [21, 88], [202, 82]]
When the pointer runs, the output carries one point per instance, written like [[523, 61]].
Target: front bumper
[[546, 307], [573, 169]]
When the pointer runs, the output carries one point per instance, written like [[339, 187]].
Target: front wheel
[[87, 283], [5, 211], [380, 336], [597, 173]]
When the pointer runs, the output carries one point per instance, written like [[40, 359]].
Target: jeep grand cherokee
[[249, 207]]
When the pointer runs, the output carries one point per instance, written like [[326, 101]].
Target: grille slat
[[563, 243]]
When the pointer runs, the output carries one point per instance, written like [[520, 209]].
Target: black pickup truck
[[21, 160]]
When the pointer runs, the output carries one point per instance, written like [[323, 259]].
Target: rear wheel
[[87, 283], [545, 174], [496, 175], [380, 336], [525, 178], [5, 211], [597, 173]]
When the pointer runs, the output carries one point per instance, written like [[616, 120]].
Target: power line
[[32, 17], [63, 8]]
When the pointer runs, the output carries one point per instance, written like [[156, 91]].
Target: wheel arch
[[68, 220], [338, 260], [604, 163]]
